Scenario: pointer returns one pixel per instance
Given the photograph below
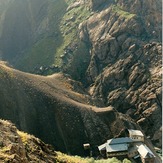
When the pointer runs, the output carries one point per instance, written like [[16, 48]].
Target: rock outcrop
[[125, 65], [17, 146]]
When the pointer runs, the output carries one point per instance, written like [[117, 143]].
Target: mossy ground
[[121, 12], [69, 29]]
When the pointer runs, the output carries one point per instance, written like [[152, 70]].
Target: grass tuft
[[24, 136], [122, 13]]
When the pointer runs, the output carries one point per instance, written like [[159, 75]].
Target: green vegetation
[[62, 34], [76, 159], [50, 49], [69, 2], [121, 12], [109, 160], [59, 32], [79, 62], [24, 137], [4, 149], [41, 53], [69, 29], [43, 50], [60, 157], [4, 72]]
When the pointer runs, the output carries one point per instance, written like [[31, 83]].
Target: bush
[[126, 161], [109, 160]]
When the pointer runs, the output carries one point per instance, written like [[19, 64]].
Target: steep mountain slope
[[126, 58], [113, 47], [42, 36], [30, 33], [50, 108], [17, 146]]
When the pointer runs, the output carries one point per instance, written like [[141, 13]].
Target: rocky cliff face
[[118, 30], [16, 146], [125, 64]]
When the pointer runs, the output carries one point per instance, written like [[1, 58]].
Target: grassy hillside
[[42, 52], [60, 46]]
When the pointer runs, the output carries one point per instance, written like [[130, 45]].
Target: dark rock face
[[95, 4], [134, 89], [125, 64]]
